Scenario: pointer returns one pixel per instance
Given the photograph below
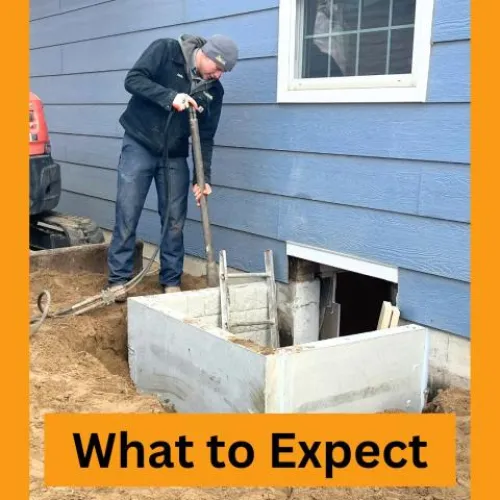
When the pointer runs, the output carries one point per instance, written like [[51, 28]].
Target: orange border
[[14, 366], [15, 251], [485, 342]]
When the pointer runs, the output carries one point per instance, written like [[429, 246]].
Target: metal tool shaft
[[212, 275]]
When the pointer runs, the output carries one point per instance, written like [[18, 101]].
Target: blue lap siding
[[387, 182]]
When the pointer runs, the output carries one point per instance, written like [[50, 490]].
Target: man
[[168, 77]]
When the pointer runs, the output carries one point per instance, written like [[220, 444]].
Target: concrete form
[[449, 355], [178, 351]]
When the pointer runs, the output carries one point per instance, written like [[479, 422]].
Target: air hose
[[108, 296]]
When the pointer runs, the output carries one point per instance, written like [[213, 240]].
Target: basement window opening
[[352, 293], [350, 302]]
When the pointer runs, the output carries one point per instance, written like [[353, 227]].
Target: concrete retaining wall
[[178, 351]]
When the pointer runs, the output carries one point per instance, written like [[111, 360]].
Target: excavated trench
[[79, 364]]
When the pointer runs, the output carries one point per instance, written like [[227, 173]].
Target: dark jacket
[[160, 73]]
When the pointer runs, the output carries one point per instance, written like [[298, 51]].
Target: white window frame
[[374, 88]]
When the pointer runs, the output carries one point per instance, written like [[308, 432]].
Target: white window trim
[[343, 261], [383, 88]]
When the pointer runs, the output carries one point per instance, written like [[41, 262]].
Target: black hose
[[36, 323]]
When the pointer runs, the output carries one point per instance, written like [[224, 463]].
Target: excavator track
[[56, 230]]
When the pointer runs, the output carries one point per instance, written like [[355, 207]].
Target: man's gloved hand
[[197, 192], [183, 101]]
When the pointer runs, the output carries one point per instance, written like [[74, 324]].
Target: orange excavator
[[50, 229]]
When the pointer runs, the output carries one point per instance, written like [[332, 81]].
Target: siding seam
[[188, 218], [155, 28], [126, 69], [291, 151], [290, 197], [56, 14]]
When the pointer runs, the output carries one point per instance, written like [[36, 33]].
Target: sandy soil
[[79, 364]]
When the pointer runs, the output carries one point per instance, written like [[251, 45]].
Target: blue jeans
[[136, 169]]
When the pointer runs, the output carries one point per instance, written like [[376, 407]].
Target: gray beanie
[[221, 50]]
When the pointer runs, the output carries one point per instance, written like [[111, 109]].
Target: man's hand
[[197, 192], [183, 101]]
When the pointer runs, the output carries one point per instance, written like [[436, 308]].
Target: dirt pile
[[79, 364]]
